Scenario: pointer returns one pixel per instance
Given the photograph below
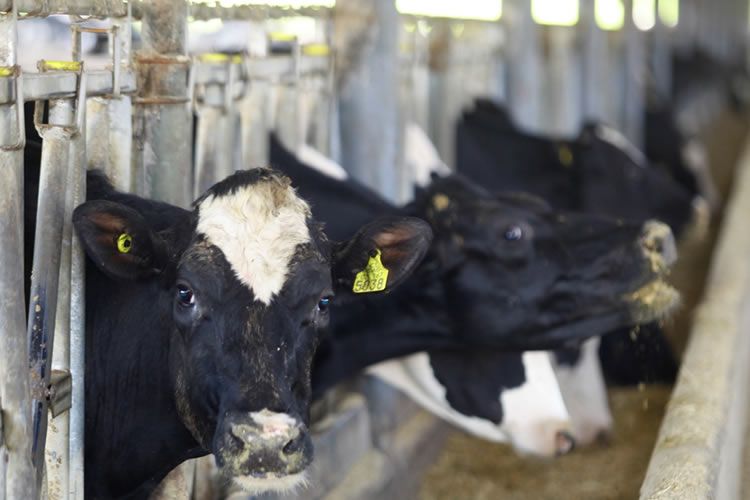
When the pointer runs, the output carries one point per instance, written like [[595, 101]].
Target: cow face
[[245, 283], [494, 395], [519, 273]]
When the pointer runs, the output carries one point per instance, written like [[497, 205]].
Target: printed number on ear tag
[[124, 243], [373, 278]]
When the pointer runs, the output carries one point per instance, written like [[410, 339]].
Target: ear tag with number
[[124, 243], [373, 278]]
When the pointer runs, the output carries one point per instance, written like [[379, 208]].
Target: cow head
[[519, 274], [494, 395], [617, 180], [244, 283]]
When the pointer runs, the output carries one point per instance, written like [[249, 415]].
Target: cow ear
[[380, 256], [119, 240]]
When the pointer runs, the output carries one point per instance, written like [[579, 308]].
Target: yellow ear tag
[[124, 243], [373, 278], [565, 155]]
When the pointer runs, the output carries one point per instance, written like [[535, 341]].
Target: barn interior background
[[348, 78]]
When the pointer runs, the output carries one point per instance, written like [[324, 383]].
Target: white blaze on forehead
[[258, 228]]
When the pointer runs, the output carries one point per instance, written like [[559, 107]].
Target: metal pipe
[[44, 283], [370, 125], [44, 86], [163, 117], [213, 141], [634, 67], [16, 470]]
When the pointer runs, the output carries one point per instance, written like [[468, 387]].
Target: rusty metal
[[63, 85], [163, 121]]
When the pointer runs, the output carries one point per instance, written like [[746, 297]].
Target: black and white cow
[[504, 272], [599, 172], [202, 324]]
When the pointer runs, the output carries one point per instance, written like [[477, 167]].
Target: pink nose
[[564, 443]]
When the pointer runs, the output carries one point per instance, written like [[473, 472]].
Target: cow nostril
[[295, 445], [564, 443]]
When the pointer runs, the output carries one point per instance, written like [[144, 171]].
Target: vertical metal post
[[16, 470], [525, 67], [163, 117], [370, 126], [563, 82], [596, 88], [634, 79], [47, 255], [661, 57]]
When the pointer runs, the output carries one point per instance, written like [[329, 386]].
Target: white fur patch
[[258, 228], [529, 410], [320, 162], [273, 424], [421, 156], [617, 139], [271, 482], [585, 393]]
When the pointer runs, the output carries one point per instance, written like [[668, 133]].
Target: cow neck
[[378, 327]]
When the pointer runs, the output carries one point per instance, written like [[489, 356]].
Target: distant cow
[[201, 326], [504, 272], [599, 172]]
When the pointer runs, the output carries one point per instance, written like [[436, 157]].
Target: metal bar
[[47, 255], [369, 111], [118, 8], [525, 69], [634, 78], [16, 470], [163, 116], [44, 86], [77, 313]]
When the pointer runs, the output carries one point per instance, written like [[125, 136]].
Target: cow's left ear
[[119, 240], [380, 256]]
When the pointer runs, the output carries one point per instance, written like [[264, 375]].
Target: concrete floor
[[469, 468]]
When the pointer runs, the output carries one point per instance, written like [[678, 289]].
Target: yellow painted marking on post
[[316, 49], [283, 37], [373, 278], [220, 58], [7, 70], [62, 65]]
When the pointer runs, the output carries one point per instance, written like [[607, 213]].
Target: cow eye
[[185, 296], [513, 233], [323, 305]]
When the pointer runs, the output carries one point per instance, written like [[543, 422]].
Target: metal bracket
[[80, 114], [17, 75], [165, 99], [60, 392], [113, 33]]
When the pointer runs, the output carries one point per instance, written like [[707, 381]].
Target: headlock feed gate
[[166, 124]]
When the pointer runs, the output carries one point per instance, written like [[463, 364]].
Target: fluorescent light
[[486, 10], [610, 14], [669, 12], [644, 14], [555, 12]]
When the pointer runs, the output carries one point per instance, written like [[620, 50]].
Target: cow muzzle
[[263, 451]]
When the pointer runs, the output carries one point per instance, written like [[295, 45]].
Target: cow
[[474, 287], [598, 172], [202, 324]]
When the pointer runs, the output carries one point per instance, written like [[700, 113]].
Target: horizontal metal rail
[[44, 86], [118, 8], [259, 69]]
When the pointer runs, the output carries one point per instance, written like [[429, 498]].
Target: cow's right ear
[[119, 240], [380, 256]]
